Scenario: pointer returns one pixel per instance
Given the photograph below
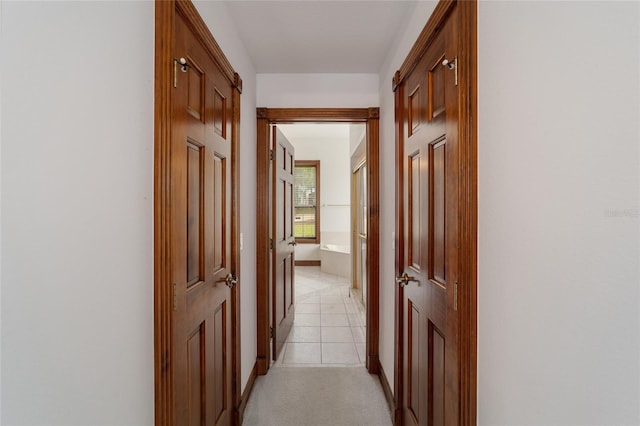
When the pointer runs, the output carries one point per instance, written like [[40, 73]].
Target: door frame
[[265, 117], [165, 12], [467, 200]]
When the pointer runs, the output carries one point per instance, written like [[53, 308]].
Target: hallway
[[93, 173], [320, 378]]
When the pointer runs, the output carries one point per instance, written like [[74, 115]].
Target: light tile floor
[[329, 326]]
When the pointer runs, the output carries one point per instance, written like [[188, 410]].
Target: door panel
[[194, 207], [196, 376], [415, 197], [283, 240], [436, 211], [201, 218], [429, 131], [218, 211], [436, 375]]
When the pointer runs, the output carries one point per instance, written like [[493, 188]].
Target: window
[[306, 202]]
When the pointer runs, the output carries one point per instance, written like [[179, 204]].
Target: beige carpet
[[317, 396]]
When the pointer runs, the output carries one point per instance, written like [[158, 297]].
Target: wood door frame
[[267, 116], [165, 12], [467, 199]]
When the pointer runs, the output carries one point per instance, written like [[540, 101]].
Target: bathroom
[[330, 231]]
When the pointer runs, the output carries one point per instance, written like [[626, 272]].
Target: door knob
[[231, 280], [293, 243], [405, 279]]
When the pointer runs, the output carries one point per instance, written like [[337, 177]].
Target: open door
[[201, 230], [428, 268], [283, 240], [196, 244]]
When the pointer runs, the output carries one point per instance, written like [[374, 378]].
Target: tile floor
[[329, 325]]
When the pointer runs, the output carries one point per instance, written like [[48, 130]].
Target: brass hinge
[[271, 154], [455, 296], [175, 73], [270, 244], [175, 298], [271, 332]]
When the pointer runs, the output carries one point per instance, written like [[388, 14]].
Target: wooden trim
[[162, 288], [307, 263], [468, 204], [386, 389], [247, 392], [236, 351], [302, 115], [467, 200], [190, 13], [316, 164], [425, 39], [399, 258], [373, 240], [165, 11], [263, 234], [266, 117]]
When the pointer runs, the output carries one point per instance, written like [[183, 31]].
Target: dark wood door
[[283, 240], [201, 228], [429, 185]]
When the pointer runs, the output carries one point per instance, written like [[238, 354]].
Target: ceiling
[[319, 36]]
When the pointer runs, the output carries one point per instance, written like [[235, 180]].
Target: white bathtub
[[335, 259]]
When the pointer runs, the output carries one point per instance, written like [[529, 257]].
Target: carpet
[[317, 396]]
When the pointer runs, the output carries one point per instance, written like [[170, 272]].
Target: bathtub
[[335, 259]]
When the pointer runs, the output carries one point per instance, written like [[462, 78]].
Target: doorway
[[266, 285], [328, 327]]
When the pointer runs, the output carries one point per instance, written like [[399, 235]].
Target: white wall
[[217, 18], [357, 136], [400, 49], [317, 90], [1, 133], [558, 213], [77, 180]]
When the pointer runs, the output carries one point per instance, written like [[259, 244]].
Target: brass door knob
[[405, 279], [231, 280]]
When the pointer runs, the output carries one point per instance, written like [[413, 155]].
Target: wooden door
[[283, 240], [429, 153], [201, 231]]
